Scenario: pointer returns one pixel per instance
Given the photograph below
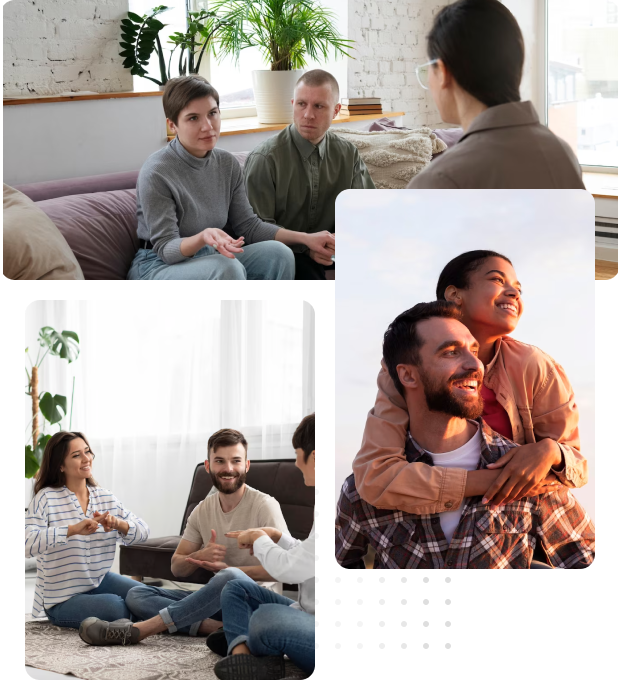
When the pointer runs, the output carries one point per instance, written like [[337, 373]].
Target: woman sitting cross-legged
[[72, 527], [191, 198]]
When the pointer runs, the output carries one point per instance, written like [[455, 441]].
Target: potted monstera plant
[[287, 33]]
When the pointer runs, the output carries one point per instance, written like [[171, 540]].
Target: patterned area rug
[[160, 657]]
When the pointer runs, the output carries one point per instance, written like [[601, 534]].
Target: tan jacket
[[534, 391], [505, 147]]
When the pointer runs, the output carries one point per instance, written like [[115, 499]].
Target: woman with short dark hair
[[527, 398], [476, 54], [194, 218]]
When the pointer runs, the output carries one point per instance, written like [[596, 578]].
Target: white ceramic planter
[[273, 91]]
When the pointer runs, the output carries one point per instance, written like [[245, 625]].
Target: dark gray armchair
[[278, 478]]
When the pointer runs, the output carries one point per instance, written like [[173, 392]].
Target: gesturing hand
[[222, 242], [205, 564], [107, 521], [212, 552], [83, 528], [246, 538], [524, 468]]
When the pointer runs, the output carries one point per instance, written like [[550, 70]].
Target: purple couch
[[97, 217]]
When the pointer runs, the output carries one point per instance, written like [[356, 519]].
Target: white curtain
[[154, 380]]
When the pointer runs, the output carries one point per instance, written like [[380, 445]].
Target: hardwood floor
[[605, 270]]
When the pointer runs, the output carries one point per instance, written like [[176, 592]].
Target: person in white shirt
[[72, 528], [248, 611]]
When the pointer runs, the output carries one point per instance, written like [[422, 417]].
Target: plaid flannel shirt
[[503, 538]]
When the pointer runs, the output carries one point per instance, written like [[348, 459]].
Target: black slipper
[[248, 667]]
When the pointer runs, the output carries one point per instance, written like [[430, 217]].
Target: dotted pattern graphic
[[392, 612]]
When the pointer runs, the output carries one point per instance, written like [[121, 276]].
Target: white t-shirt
[[467, 457]]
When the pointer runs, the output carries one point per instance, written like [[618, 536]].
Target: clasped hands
[[526, 471], [212, 556], [322, 247], [109, 522]]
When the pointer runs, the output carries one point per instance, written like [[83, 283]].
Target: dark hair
[[318, 77], [181, 91], [402, 342], [456, 272], [303, 437], [54, 455], [481, 44], [225, 437]]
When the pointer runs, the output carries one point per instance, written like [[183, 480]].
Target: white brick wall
[[52, 46], [390, 41]]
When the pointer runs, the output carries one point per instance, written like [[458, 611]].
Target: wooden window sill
[[246, 126], [601, 184], [17, 101]]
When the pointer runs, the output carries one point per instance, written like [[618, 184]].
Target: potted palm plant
[[286, 32]]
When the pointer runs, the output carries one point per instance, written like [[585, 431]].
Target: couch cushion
[[33, 247], [101, 229], [394, 157], [42, 191]]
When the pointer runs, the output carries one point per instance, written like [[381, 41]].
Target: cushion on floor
[[34, 248], [160, 657]]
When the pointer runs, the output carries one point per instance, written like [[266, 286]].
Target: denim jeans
[[270, 260], [183, 611], [106, 601], [267, 623], [251, 614]]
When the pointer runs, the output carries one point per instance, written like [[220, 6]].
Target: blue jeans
[[183, 611], [106, 601], [267, 623], [269, 260], [251, 614]]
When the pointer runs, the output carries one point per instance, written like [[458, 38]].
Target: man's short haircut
[[317, 78], [181, 91], [402, 342], [223, 438], [303, 437], [481, 44]]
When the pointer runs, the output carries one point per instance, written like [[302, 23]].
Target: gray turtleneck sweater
[[179, 195]]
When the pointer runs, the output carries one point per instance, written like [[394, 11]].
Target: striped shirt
[[67, 566]]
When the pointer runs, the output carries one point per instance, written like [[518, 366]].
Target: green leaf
[[130, 62], [64, 345], [136, 18], [32, 464], [129, 38], [126, 53], [155, 24], [40, 448], [51, 406], [126, 46], [131, 24]]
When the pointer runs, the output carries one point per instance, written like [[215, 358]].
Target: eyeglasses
[[423, 71]]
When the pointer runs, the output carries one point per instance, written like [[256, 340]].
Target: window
[[582, 77]]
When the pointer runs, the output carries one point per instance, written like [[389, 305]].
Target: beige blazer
[[505, 147]]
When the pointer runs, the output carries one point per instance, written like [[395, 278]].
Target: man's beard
[[440, 398], [229, 488]]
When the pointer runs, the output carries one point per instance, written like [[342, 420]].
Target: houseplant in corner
[[64, 345], [286, 32]]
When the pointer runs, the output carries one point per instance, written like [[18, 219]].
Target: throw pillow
[[394, 157], [101, 229], [33, 246]]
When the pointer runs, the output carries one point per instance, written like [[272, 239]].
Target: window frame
[[543, 19], [205, 71]]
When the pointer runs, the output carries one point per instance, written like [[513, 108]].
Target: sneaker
[[248, 667], [216, 642], [97, 632]]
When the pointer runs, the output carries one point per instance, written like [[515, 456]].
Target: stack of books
[[356, 107]]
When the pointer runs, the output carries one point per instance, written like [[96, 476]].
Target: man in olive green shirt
[[293, 178]]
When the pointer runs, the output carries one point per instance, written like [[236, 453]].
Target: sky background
[[394, 244]]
